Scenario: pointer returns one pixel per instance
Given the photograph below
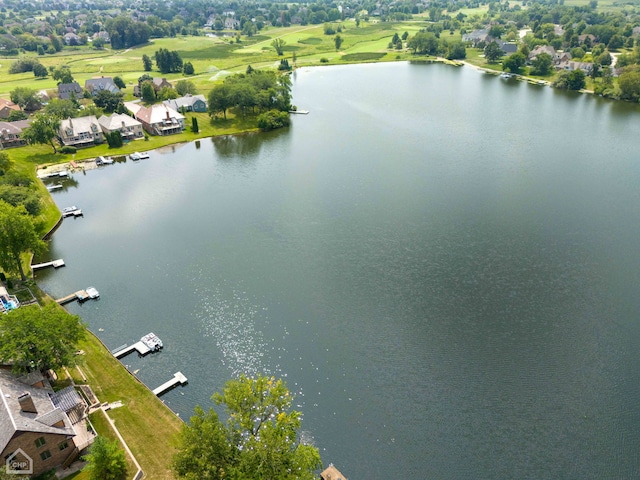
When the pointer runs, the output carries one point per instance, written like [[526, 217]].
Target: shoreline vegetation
[[362, 39]]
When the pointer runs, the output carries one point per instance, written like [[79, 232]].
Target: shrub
[[324, 60], [68, 149], [273, 119]]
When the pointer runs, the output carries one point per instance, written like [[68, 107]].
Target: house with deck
[[81, 131], [129, 128], [40, 429], [11, 133], [158, 119]]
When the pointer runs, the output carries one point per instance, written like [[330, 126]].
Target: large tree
[[43, 129], [260, 440], [17, 236], [35, 338], [106, 460], [542, 64], [147, 63], [278, 44], [514, 63], [62, 74], [26, 97], [220, 100], [493, 52]]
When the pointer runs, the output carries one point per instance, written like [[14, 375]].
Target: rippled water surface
[[442, 264]]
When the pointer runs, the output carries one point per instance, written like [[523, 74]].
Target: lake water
[[442, 264]]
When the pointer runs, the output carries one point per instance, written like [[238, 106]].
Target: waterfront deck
[[178, 379], [54, 263]]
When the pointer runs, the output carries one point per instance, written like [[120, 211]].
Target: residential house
[[583, 37], [11, 133], [129, 128], [102, 35], [40, 429], [476, 37], [95, 85], [548, 49], [65, 90], [6, 107], [507, 48], [190, 103], [71, 38], [81, 131], [158, 84], [586, 67], [158, 119]]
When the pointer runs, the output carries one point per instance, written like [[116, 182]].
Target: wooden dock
[[81, 295], [125, 350], [178, 378], [55, 264]]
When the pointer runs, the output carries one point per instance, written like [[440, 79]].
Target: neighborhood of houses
[[561, 59], [159, 119]]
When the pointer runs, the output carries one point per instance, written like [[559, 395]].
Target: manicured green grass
[[103, 428], [146, 424]]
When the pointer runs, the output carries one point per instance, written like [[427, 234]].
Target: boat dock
[[55, 264], [178, 378], [80, 295], [127, 349]]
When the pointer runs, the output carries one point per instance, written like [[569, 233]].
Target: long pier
[[125, 350], [178, 378], [54, 263]]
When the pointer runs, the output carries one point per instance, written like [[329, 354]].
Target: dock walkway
[[81, 295], [178, 378], [55, 264], [125, 350]]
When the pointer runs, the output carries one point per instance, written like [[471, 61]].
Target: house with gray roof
[[65, 90], [129, 128], [190, 103], [81, 132], [40, 429], [11, 133], [94, 85]]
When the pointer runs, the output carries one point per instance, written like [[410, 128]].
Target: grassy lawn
[[146, 424]]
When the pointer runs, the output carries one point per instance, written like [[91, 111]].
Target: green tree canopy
[[17, 236], [61, 108], [62, 74], [43, 129], [629, 83], [542, 64], [5, 163], [260, 440], [35, 338], [514, 63], [26, 97], [106, 460], [570, 80], [147, 92], [278, 45], [186, 86], [108, 101], [493, 52], [147, 63]]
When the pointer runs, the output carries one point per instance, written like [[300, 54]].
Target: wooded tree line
[[259, 90]]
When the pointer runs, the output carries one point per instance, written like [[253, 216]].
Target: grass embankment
[[145, 423]]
